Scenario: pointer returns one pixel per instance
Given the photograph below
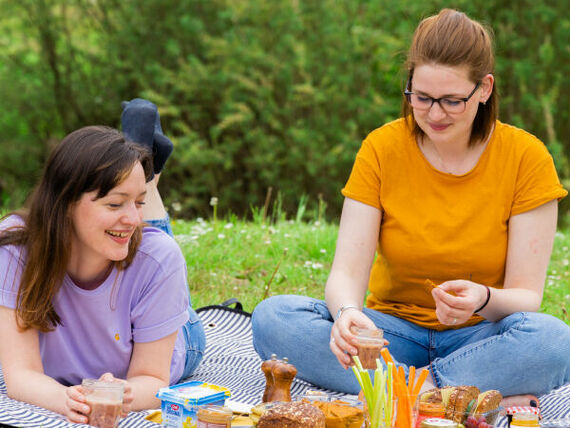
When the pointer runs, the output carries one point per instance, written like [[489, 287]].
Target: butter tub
[[179, 403]]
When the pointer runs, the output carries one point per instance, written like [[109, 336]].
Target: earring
[[484, 103]]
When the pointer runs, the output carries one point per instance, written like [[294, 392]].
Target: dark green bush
[[254, 94]]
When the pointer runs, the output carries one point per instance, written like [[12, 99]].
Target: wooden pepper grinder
[[283, 375], [266, 367]]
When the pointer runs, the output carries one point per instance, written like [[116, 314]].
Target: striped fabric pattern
[[231, 361]]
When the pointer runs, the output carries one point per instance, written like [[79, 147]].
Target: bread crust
[[459, 400], [490, 401], [296, 414]]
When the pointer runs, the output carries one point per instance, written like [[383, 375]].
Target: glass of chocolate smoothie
[[105, 400]]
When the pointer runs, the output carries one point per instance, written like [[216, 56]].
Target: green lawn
[[251, 260]]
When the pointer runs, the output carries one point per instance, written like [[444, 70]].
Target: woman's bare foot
[[526, 400]]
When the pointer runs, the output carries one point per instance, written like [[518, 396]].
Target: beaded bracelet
[[487, 300]]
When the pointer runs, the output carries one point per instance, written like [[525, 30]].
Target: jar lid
[[438, 423], [215, 414]]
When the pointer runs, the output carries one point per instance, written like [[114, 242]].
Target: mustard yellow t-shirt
[[440, 226]]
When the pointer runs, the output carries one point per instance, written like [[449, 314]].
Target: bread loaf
[[296, 414]]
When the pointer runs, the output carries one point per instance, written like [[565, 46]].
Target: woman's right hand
[[76, 408], [342, 341]]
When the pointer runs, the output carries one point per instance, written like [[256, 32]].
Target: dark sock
[[162, 149], [141, 123], [138, 121]]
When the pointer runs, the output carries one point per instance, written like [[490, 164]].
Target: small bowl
[[339, 412], [473, 420]]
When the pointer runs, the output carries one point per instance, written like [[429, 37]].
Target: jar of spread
[[524, 419], [429, 410], [212, 416], [437, 423]]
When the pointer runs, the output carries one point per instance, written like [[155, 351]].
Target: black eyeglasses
[[448, 104]]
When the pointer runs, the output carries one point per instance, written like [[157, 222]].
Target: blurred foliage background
[[255, 94]]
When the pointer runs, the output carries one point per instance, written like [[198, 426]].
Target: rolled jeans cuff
[[162, 224]]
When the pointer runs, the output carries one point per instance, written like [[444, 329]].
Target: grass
[[253, 260]]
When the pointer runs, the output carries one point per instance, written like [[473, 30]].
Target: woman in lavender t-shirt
[[85, 290]]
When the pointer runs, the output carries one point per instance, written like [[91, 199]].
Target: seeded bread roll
[[459, 400], [296, 414], [488, 400]]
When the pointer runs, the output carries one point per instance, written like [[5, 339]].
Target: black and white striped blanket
[[230, 361]]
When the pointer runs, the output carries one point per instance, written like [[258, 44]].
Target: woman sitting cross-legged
[[449, 194], [86, 291]]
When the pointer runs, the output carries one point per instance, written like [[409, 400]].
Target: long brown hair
[[93, 158], [451, 38]]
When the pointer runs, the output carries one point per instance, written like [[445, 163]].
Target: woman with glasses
[[446, 195]]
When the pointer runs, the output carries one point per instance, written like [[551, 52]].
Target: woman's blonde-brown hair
[[451, 38], [93, 158]]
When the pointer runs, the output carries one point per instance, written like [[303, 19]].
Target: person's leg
[[195, 338], [154, 213], [299, 328], [524, 353]]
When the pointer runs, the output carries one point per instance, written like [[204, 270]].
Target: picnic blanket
[[231, 361]]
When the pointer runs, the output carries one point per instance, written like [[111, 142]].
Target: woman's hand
[[342, 341], [76, 408], [128, 395], [457, 300]]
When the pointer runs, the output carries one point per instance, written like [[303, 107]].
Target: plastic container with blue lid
[[180, 402]]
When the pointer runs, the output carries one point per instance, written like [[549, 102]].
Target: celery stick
[[389, 386]]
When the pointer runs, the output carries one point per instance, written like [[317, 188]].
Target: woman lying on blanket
[[85, 291], [447, 194]]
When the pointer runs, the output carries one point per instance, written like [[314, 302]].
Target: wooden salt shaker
[[266, 367]]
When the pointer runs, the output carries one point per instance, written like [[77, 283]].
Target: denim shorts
[[195, 339], [162, 224]]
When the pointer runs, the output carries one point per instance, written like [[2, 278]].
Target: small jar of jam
[[211, 416], [524, 419], [430, 410]]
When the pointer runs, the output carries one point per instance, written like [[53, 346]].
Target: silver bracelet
[[344, 308]]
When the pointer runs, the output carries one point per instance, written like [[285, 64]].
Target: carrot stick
[[401, 375], [411, 378], [386, 355], [402, 416], [421, 380]]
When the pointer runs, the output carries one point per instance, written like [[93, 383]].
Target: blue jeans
[[195, 343], [162, 224], [523, 353], [193, 330]]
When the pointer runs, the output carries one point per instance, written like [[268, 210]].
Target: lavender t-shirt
[[146, 302]]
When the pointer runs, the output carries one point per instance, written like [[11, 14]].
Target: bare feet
[[520, 400]]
